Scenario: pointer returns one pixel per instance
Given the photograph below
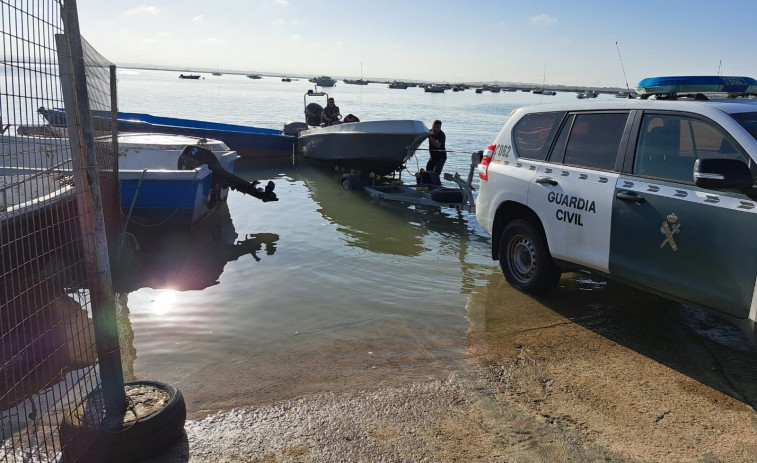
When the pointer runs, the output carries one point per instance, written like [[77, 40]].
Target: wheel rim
[[521, 258]]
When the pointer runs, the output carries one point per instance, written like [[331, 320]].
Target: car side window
[[533, 134], [594, 140], [669, 144]]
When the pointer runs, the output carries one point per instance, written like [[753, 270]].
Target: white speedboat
[[380, 147]]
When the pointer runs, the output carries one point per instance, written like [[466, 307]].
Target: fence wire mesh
[[48, 354]]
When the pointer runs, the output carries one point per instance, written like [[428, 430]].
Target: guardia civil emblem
[[669, 228]]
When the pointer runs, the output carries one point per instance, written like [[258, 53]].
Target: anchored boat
[[248, 142]]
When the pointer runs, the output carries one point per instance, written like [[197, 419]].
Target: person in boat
[[437, 148], [350, 118], [330, 112]]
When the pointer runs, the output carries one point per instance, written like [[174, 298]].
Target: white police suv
[[658, 192]]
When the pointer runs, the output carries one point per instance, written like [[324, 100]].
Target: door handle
[[546, 181], [625, 195]]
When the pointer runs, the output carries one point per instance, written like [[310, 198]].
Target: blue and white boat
[[249, 142], [154, 191], [157, 188]]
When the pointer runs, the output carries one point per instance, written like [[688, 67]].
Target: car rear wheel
[[525, 259]]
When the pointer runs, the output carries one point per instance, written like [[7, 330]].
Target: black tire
[[525, 259], [84, 441], [447, 195], [351, 182]]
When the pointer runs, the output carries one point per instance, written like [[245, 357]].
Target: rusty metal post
[[91, 218]]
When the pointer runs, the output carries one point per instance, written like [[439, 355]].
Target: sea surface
[[324, 289]]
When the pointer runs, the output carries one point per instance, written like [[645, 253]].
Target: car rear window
[[533, 134]]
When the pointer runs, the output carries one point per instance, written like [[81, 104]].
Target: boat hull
[[248, 142], [380, 147], [156, 192]]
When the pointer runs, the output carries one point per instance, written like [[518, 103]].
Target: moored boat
[[189, 76], [248, 142], [435, 89], [398, 85], [323, 81]]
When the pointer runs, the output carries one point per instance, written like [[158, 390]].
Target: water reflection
[[381, 231], [190, 260], [175, 261]]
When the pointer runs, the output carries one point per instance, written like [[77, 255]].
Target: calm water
[[323, 289]]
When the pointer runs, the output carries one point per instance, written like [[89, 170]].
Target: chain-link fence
[[56, 200]]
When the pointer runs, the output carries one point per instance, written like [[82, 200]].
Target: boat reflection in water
[[190, 260], [361, 223], [181, 261]]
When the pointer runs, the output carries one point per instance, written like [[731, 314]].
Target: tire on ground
[[82, 440], [525, 259]]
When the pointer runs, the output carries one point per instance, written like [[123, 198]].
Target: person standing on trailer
[[437, 148]]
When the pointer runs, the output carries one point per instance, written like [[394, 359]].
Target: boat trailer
[[428, 190]]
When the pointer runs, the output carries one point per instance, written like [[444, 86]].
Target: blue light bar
[[696, 84]]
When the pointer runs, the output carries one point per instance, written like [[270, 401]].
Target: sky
[[597, 43]]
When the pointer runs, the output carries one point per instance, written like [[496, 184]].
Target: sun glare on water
[[164, 302]]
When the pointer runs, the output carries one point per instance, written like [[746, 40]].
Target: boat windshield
[[748, 121]]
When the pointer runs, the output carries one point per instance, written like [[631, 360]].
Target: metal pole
[[91, 218]]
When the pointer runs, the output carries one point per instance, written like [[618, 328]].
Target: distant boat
[[587, 94], [217, 74], [479, 90], [399, 85], [323, 81], [189, 76], [549, 92], [356, 81], [286, 79], [435, 89], [254, 76]]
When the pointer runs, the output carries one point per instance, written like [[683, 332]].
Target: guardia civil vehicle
[[658, 192]]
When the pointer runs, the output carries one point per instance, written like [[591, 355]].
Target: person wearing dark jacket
[[437, 148], [330, 112]]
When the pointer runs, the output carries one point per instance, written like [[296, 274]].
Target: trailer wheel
[[351, 182], [447, 195], [83, 439]]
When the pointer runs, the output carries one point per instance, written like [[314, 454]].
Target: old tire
[[447, 195], [525, 259], [82, 440], [351, 182]]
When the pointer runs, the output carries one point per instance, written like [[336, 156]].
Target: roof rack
[[696, 87]]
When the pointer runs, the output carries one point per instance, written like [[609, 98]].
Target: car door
[[573, 191], [668, 234]]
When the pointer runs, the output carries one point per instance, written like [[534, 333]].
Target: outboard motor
[[194, 156], [313, 113]]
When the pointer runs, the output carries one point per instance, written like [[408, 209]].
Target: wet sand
[[596, 372]]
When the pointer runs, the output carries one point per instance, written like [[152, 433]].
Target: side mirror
[[722, 174]]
